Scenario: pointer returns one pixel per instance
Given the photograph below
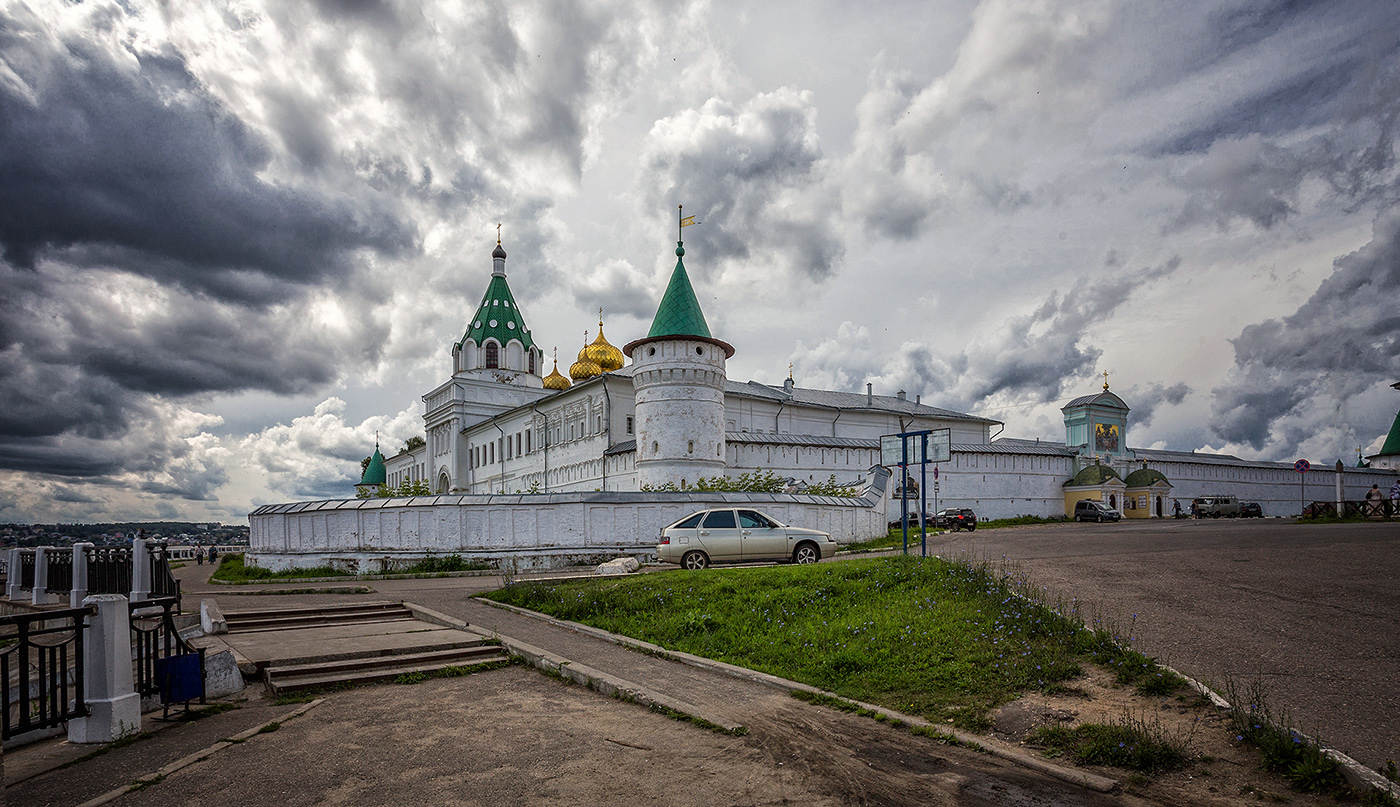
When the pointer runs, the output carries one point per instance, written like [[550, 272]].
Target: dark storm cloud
[[1145, 400], [138, 165], [1035, 355], [1032, 357], [1342, 341], [1254, 162], [752, 176]]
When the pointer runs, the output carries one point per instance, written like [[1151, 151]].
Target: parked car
[[1090, 510], [1251, 510], [956, 518], [739, 535], [1216, 506]]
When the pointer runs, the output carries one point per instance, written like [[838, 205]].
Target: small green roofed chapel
[[679, 313]]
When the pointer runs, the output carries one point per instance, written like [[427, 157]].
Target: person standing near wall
[[1395, 498], [1374, 497]]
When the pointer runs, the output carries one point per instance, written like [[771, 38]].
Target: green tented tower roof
[[374, 472], [498, 317], [679, 313], [1392, 440]]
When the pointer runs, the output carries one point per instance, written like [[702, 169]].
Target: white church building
[[672, 416], [499, 425], [533, 470]]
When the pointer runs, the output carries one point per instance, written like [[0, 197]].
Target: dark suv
[[956, 518], [1090, 510], [1251, 510]]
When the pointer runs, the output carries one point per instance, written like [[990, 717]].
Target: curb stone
[[611, 685], [1361, 778], [1081, 778]]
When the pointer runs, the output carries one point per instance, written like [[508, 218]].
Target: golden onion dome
[[556, 380], [603, 354], [585, 367]]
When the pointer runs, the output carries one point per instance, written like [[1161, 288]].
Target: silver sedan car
[[739, 535]]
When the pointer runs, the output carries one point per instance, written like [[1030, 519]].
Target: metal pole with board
[[919, 448], [1302, 467]]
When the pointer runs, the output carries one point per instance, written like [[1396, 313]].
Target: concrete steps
[[296, 618], [379, 668]]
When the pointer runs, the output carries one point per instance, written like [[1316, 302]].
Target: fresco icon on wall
[[1106, 437]]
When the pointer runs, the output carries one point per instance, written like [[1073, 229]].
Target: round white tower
[[678, 374]]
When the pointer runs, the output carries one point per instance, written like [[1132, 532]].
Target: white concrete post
[[109, 687], [13, 589], [78, 593], [140, 570], [40, 594], [1340, 495]]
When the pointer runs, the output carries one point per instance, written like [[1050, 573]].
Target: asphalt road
[[1312, 611]]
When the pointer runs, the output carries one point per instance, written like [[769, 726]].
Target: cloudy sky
[[239, 238]]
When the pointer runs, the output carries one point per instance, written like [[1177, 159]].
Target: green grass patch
[[1130, 743], [1297, 758], [1019, 521], [944, 640], [233, 570]]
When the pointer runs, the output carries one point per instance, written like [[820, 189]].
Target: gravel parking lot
[[1312, 610]]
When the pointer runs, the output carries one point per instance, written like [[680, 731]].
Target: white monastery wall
[[515, 531], [1280, 491], [998, 485]]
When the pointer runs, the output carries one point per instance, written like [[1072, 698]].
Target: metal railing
[[163, 582], [109, 570], [60, 563], [42, 670], [1384, 509], [27, 561], [155, 637]]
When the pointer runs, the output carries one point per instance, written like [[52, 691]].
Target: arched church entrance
[[444, 483]]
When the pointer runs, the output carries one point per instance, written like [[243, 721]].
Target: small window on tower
[[532, 362], [493, 355], [629, 425]]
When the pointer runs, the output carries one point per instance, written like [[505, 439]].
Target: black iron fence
[[109, 570], [1385, 509], [60, 565], [27, 563], [163, 582], [159, 651], [42, 670]]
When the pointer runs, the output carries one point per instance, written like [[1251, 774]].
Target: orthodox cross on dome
[[1105, 381], [789, 371], [498, 235]]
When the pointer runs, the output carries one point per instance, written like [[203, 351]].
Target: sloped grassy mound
[[937, 638]]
